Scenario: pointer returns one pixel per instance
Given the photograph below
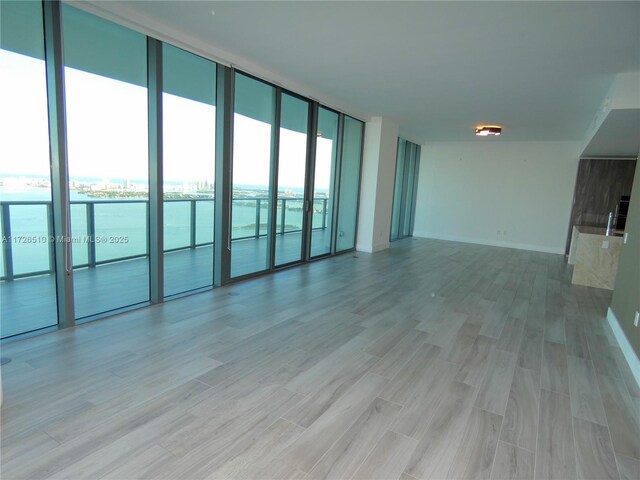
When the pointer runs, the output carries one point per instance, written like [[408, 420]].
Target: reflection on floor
[[29, 303]]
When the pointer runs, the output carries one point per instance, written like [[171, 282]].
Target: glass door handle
[[229, 229]]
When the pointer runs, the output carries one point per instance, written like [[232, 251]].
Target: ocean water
[[121, 226]]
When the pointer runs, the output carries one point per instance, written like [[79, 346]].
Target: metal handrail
[[260, 203]]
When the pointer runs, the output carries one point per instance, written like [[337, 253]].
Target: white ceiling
[[541, 69]]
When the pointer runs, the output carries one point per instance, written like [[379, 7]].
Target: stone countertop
[[598, 231], [596, 257]]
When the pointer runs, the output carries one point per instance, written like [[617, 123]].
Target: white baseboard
[[491, 243], [372, 248], [627, 350]]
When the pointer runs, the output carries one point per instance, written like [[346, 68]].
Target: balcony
[[27, 283]]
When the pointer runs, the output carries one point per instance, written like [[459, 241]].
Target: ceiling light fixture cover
[[486, 130]]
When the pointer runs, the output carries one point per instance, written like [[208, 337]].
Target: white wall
[[512, 194], [376, 187]]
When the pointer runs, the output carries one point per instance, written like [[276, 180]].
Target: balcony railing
[[27, 231]]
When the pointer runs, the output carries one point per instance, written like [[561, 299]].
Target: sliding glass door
[[324, 181], [397, 190], [271, 134], [350, 163], [189, 120], [105, 78], [257, 226], [253, 154], [292, 169], [27, 281], [112, 147], [404, 195]]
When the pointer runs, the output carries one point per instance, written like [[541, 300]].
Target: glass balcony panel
[[177, 224], [204, 223], [80, 234], [31, 249]]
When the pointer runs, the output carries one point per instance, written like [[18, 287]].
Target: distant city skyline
[[17, 180]]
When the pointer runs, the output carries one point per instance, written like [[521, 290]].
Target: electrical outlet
[[605, 244], [635, 320], [625, 237]]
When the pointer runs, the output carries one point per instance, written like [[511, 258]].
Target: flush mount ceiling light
[[486, 130]]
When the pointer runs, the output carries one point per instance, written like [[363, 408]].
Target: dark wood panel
[[599, 186]]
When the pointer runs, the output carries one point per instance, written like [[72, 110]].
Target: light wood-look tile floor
[[430, 360]]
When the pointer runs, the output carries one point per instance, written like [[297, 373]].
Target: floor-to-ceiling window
[[292, 169], [27, 283], [293, 192], [188, 121], [397, 189], [349, 183], [106, 106], [323, 181], [404, 195], [253, 153], [410, 189]]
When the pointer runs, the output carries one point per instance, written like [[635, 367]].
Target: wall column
[[376, 190]]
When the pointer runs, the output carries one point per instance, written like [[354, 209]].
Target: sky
[[107, 132], [24, 131]]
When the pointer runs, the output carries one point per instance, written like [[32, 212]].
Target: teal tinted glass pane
[[21, 28], [80, 234], [408, 194], [103, 48], [204, 222], [416, 176], [30, 250], [349, 183], [106, 106], [189, 128], [2, 270], [177, 224], [397, 189], [292, 162], [121, 230], [323, 187], [27, 303], [188, 76], [254, 120]]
